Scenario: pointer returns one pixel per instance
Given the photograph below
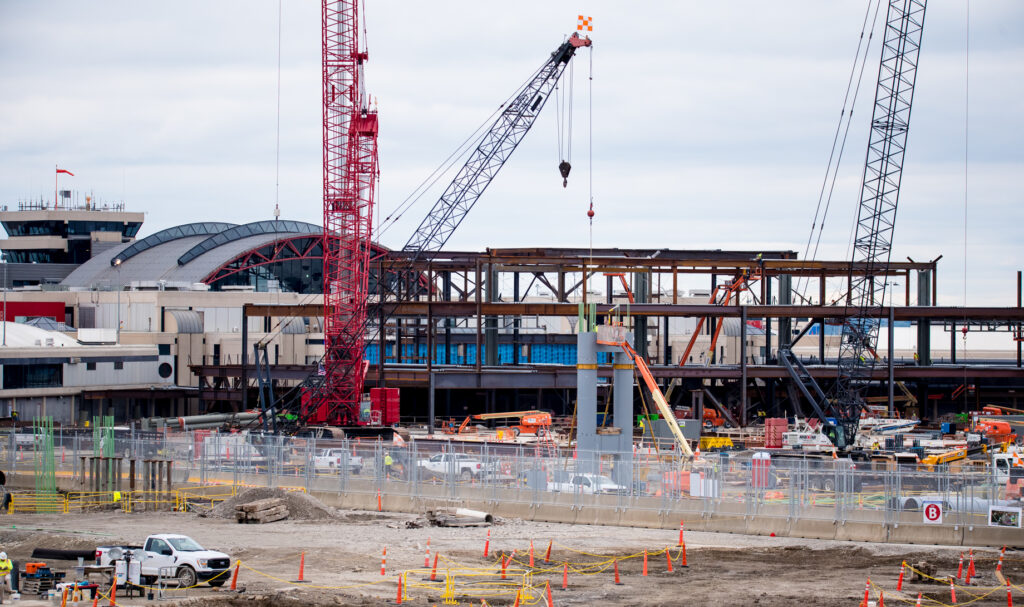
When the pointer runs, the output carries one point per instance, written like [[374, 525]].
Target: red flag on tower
[[65, 171]]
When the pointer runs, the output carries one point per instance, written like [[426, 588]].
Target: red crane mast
[[350, 175]]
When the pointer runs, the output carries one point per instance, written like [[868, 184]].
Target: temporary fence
[[457, 472]]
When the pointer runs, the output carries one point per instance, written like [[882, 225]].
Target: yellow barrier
[[708, 443], [38, 503], [179, 500]]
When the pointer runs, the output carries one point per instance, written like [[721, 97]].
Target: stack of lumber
[[262, 511]]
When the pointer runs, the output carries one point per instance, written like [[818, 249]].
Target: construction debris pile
[[268, 503], [262, 511]]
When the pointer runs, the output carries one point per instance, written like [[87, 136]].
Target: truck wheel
[[186, 577], [217, 583], [829, 484], [467, 475]]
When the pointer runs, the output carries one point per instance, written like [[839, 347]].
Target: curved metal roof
[[183, 231], [188, 321], [245, 231]]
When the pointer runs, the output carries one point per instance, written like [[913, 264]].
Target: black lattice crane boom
[[876, 218]]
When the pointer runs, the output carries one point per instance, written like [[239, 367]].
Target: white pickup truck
[[462, 465], [332, 459], [190, 563], [587, 483]]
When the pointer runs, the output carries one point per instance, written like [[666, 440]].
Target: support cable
[[967, 115], [833, 169]]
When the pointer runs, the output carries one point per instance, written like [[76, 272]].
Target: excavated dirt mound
[[301, 507]]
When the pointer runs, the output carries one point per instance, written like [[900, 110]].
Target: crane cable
[[967, 107], [832, 169]]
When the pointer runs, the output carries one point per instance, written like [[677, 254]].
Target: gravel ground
[[345, 550]]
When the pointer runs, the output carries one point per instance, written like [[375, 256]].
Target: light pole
[[117, 269]]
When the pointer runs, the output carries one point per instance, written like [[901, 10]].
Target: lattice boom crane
[[349, 178]]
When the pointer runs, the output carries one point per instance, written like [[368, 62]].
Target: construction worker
[[5, 570], [388, 462]]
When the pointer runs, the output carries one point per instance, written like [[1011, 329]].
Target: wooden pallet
[[36, 585]]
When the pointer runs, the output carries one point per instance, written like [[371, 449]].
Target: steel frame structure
[[883, 171], [349, 178]]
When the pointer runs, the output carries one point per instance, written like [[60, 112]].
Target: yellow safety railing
[[38, 503]]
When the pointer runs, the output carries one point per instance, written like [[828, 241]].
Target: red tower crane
[[350, 176]]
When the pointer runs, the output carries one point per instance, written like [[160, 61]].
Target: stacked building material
[[262, 511], [774, 427]]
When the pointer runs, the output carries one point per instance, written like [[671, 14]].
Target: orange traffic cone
[[952, 590], [899, 583], [680, 533], [234, 577], [426, 557], [398, 599], [547, 587], [684, 556], [302, 569], [565, 576], [487, 543], [618, 582], [547, 555], [531, 553], [668, 558], [644, 574], [867, 592], [433, 571], [383, 560]]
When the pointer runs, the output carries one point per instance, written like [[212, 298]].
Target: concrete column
[[622, 374], [586, 399]]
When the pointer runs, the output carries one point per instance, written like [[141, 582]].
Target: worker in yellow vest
[[5, 570]]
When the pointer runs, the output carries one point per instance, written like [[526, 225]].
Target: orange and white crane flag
[[585, 24]]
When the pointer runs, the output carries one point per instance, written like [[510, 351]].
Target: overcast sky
[[712, 122]]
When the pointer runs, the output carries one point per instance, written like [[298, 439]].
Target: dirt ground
[[345, 550]]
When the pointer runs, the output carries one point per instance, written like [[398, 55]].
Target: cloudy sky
[[712, 123]]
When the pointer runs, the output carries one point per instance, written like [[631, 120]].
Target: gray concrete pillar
[[622, 374], [586, 400]]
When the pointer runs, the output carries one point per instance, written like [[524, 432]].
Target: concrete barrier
[[939, 535], [762, 525], [856, 531], [976, 535], [812, 528]]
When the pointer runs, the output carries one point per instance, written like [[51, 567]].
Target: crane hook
[[564, 168]]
